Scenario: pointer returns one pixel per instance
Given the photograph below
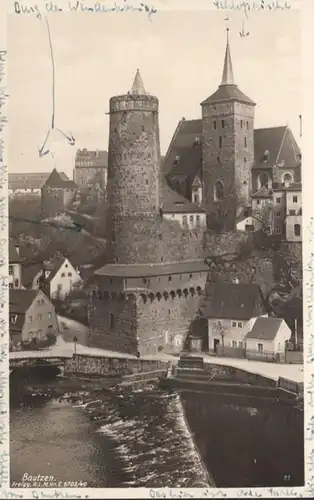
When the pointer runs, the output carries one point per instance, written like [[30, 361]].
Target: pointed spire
[[227, 75], [138, 87]]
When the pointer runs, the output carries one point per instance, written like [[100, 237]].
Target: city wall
[[101, 365]]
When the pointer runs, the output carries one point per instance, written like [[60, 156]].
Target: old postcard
[[157, 276]]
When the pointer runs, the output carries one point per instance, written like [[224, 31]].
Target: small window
[[111, 320], [62, 275], [277, 230], [70, 275], [234, 324], [297, 230], [278, 200], [13, 318], [144, 281], [198, 219], [185, 219], [10, 270], [49, 315], [245, 159], [260, 348], [295, 199], [39, 317], [241, 122], [291, 212], [245, 142], [247, 125], [258, 202], [30, 319], [214, 124], [191, 218], [169, 278], [146, 182], [223, 123], [66, 265], [161, 259], [220, 141], [234, 343], [16, 283], [191, 275], [240, 344], [219, 323], [160, 237], [110, 281], [278, 214], [240, 324]]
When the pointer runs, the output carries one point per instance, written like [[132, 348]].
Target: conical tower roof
[[228, 90], [227, 74], [138, 86]]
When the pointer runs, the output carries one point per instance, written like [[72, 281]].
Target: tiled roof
[[263, 192], [55, 181], [21, 300], [265, 329], [29, 273], [30, 180], [233, 301], [14, 257], [147, 270], [53, 267], [184, 158], [173, 202], [86, 158], [275, 145], [228, 93]]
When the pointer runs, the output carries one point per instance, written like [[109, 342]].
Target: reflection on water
[[115, 439]]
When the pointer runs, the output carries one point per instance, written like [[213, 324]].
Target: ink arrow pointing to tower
[[41, 151], [70, 138]]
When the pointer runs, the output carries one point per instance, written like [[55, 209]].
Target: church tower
[[228, 149]]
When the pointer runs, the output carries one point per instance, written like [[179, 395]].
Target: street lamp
[[75, 341]]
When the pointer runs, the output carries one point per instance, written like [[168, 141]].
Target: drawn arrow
[[41, 151], [70, 138]]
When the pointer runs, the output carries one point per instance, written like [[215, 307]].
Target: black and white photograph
[[156, 334]]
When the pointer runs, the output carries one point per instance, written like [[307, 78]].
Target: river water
[[141, 438]]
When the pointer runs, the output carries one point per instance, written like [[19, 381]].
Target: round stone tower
[[133, 171]]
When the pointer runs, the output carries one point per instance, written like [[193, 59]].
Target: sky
[[180, 57]]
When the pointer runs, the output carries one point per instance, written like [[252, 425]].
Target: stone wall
[[143, 241], [100, 365], [225, 243], [231, 373], [143, 323]]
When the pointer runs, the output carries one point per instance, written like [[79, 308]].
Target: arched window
[[219, 191], [287, 179], [263, 180]]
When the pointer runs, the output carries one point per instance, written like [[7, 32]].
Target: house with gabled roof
[[57, 195], [32, 317], [57, 278], [91, 169], [28, 183], [231, 310], [267, 339]]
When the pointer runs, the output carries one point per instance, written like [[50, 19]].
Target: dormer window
[[266, 155], [197, 141]]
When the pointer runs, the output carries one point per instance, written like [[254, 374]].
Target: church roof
[[55, 181], [183, 159], [227, 74], [138, 86]]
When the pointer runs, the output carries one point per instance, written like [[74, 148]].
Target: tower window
[[219, 191], [295, 199], [146, 181], [245, 159], [223, 123], [245, 142], [111, 321], [241, 122], [220, 141], [247, 125], [169, 278], [214, 124]]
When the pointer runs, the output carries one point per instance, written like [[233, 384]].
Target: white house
[[57, 278], [177, 208], [231, 310], [268, 337]]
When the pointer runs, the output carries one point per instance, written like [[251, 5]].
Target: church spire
[[227, 74], [138, 87]]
